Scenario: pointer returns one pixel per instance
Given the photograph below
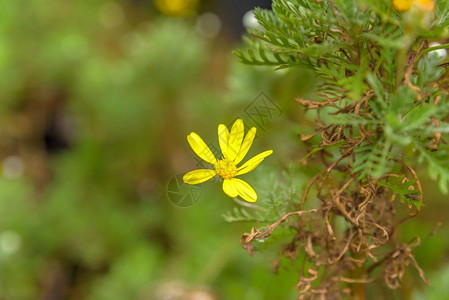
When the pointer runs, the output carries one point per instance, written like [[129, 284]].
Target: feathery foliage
[[383, 107]]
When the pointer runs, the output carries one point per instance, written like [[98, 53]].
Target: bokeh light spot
[[13, 167], [250, 22], [208, 25], [9, 242]]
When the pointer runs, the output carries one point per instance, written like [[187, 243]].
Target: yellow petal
[[253, 162], [235, 139], [402, 5], [229, 188], [200, 148], [247, 142], [425, 5], [223, 134], [198, 176], [244, 189]]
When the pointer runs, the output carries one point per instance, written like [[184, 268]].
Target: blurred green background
[[96, 101]]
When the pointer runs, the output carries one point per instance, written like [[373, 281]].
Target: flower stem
[[358, 289]]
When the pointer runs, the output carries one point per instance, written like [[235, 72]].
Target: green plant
[[380, 112]]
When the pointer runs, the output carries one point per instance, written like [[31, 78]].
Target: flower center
[[225, 169]]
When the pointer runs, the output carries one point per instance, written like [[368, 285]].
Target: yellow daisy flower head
[[234, 146], [423, 5], [177, 8]]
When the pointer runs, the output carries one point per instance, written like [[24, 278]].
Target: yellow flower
[[404, 5], [234, 148], [177, 8], [426, 5]]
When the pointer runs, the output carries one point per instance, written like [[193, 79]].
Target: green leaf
[[438, 165], [402, 190], [373, 160]]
